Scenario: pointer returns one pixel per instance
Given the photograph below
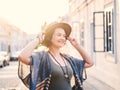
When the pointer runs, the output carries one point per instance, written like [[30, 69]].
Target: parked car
[[14, 56], [4, 58], [1, 60], [7, 59]]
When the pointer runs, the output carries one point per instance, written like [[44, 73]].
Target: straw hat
[[55, 25]]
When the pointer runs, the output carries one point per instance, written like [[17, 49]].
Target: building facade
[[95, 24], [12, 39], [4, 37]]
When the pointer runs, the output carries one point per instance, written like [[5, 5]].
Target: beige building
[[4, 35], [12, 38], [96, 24]]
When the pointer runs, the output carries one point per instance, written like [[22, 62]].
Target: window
[[103, 39], [109, 31], [98, 32]]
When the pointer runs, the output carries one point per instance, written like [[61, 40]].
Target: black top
[[58, 81]]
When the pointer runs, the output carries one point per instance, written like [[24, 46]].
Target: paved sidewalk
[[94, 84]]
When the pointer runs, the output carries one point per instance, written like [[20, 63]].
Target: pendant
[[67, 78]]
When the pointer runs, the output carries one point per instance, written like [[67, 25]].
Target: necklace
[[65, 73]]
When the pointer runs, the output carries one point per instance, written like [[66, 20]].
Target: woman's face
[[59, 38]]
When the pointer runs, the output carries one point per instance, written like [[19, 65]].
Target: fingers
[[40, 36], [70, 39]]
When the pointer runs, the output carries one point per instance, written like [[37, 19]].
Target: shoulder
[[38, 55], [74, 59]]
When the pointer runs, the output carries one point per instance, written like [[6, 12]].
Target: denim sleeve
[[79, 65], [34, 65]]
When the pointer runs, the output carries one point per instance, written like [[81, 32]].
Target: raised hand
[[40, 36], [73, 41]]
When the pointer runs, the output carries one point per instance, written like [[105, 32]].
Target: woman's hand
[[40, 36], [82, 52], [73, 41], [26, 52]]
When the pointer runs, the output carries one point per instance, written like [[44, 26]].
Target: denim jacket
[[41, 69]]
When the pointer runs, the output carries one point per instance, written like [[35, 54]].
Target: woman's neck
[[54, 51]]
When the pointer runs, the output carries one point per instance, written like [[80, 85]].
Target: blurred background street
[[9, 77]]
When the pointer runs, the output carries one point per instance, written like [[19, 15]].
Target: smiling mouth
[[61, 41]]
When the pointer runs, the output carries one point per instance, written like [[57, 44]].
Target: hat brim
[[65, 26]]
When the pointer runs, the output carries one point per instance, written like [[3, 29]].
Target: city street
[[8, 77], [9, 80]]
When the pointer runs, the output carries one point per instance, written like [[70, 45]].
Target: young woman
[[51, 69]]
